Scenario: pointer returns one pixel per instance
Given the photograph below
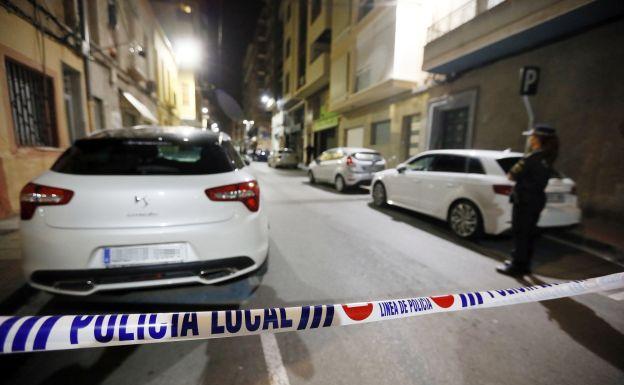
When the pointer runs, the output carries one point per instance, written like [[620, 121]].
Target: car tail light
[[350, 161], [248, 193], [503, 189], [34, 195]]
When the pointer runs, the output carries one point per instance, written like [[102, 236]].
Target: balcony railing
[[459, 16]]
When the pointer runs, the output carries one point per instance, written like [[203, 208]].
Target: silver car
[[346, 167], [283, 158]]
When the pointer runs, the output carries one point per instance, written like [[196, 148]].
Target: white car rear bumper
[[214, 252], [497, 218]]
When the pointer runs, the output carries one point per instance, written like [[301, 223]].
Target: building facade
[[576, 45], [377, 85], [43, 105]]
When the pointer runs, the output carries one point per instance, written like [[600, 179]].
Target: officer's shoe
[[513, 270]]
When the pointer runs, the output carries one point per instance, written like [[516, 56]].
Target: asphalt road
[[331, 248]]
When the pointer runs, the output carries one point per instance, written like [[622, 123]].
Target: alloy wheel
[[464, 219], [379, 195]]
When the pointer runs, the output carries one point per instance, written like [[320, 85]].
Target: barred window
[[32, 105]]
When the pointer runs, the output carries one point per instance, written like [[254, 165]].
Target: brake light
[[34, 195], [503, 189], [248, 193], [350, 161]]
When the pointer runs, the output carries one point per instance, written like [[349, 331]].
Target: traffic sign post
[[529, 80]]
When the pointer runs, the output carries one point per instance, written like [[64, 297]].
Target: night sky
[[239, 22]]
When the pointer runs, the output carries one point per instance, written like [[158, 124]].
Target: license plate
[[555, 198], [144, 254]]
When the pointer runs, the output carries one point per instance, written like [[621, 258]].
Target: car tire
[[311, 177], [380, 199], [340, 184], [465, 220]]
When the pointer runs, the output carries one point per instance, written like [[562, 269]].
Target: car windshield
[[507, 163], [147, 157]]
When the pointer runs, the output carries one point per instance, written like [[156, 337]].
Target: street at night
[[327, 247]]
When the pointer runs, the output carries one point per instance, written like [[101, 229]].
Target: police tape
[[44, 333]]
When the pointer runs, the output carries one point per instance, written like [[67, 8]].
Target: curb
[[600, 249]]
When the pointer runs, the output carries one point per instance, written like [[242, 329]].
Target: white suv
[[346, 167], [142, 207], [470, 190]]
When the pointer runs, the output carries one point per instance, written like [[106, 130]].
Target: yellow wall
[[186, 99], [166, 79], [20, 41]]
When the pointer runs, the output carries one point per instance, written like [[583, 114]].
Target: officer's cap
[[541, 130]]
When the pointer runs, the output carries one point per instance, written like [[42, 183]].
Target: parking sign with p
[[529, 79]]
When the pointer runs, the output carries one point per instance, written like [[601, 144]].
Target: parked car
[[283, 158], [469, 189], [261, 155], [140, 207], [346, 167]]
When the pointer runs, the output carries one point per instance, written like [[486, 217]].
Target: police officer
[[531, 175]]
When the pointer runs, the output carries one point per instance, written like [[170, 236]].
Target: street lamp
[[188, 52], [204, 110], [214, 127]]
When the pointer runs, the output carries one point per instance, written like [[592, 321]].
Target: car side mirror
[[401, 168]]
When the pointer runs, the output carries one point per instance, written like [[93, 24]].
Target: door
[[442, 182], [355, 137], [322, 168], [405, 187], [454, 128]]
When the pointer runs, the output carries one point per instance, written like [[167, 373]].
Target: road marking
[[273, 359]]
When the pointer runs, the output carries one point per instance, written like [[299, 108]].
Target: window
[[98, 114], [316, 9], [72, 97], [32, 104], [449, 163], [287, 49], [287, 84], [136, 156], [422, 163], [364, 8], [475, 166], [380, 133]]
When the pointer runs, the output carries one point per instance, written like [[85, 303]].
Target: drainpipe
[[85, 49]]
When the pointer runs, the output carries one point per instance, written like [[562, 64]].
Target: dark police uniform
[[531, 175]]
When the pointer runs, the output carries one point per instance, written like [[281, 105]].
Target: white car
[[139, 207], [469, 189], [283, 158], [346, 167]]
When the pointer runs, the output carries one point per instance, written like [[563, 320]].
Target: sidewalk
[[603, 238], [12, 283]]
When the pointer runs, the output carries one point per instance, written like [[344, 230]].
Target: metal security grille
[[32, 105]]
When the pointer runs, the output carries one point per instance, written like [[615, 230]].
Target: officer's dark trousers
[[524, 229]]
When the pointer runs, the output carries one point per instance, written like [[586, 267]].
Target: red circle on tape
[[358, 313], [444, 301]]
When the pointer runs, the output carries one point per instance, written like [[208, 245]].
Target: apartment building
[[133, 72], [305, 85], [377, 85], [260, 79], [43, 105], [476, 52]]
